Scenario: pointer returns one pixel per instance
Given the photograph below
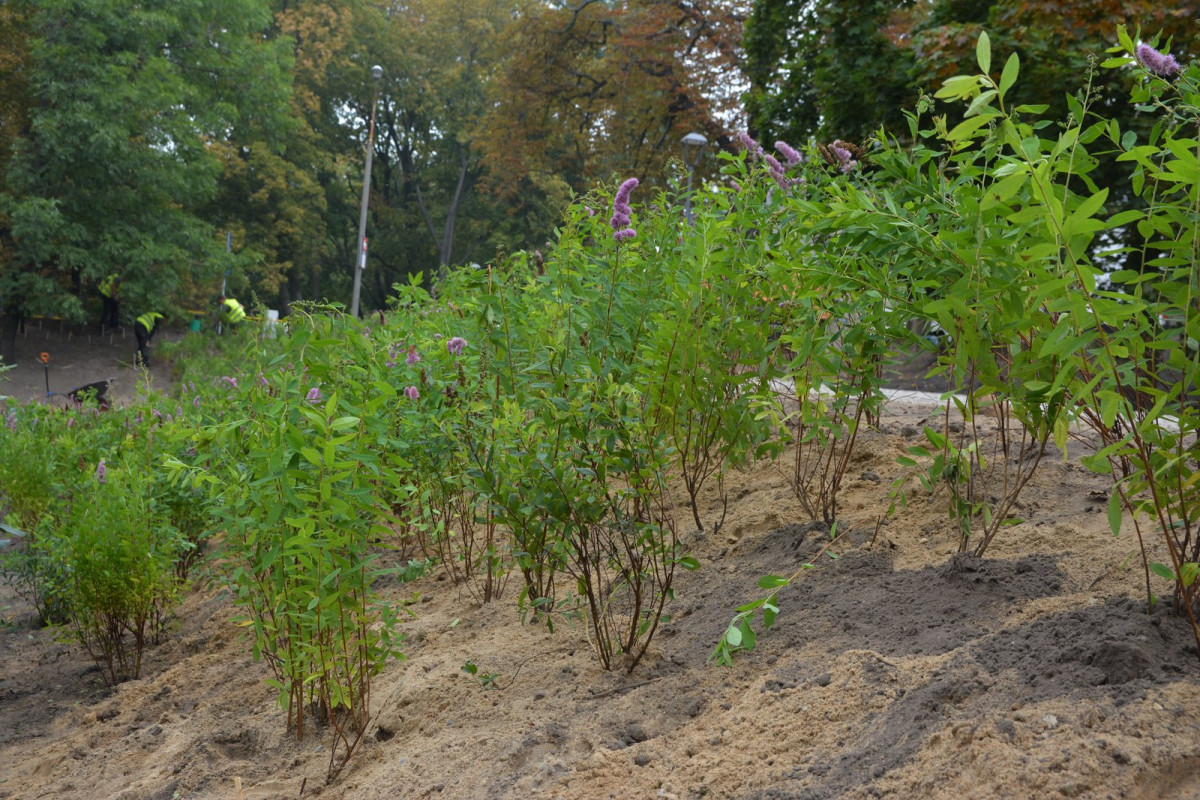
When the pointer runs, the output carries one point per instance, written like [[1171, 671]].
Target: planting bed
[[898, 669]]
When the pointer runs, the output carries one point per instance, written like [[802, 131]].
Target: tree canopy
[[835, 69], [135, 138]]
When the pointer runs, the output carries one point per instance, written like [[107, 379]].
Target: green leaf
[[965, 128], [980, 103], [957, 86], [772, 582], [1162, 571], [1009, 76], [733, 636], [748, 637], [1188, 572], [983, 52], [687, 562], [1114, 512], [1001, 191]]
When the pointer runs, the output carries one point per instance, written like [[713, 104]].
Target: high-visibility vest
[[108, 285], [233, 311], [149, 320]]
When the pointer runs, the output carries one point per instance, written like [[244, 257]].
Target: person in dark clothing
[[109, 289], [144, 330]]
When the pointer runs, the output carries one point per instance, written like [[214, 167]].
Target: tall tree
[[597, 89], [830, 68], [116, 162], [833, 68]]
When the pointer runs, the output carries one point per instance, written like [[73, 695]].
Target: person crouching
[[232, 312], [144, 329]]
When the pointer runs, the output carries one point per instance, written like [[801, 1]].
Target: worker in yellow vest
[[109, 289], [144, 329], [232, 311]]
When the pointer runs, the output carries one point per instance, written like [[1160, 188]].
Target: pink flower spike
[[101, 472], [412, 393], [314, 395], [1163, 65], [456, 345], [413, 356], [789, 153]]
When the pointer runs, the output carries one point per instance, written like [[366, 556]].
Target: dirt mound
[[897, 669]]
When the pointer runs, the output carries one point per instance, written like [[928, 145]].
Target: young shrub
[[116, 560], [296, 482]]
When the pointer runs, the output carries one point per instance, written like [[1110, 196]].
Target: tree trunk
[[9, 323]]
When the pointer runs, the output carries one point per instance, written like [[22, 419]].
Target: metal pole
[[693, 146], [360, 253], [687, 197], [228, 250]]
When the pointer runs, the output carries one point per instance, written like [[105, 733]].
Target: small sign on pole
[[362, 262]]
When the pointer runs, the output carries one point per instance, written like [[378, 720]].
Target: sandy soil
[[898, 670], [79, 355]]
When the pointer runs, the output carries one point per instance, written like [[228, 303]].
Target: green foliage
[[995, 227], [113, 168], [108, 543], [114, 557], [295, 482]]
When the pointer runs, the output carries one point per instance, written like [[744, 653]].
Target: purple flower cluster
[[1163, 65], [233, 384], [314, 395], [752, 147], [11, 421], [789, 153], [845, 158], [456, 345], [622, 211], [101, 472], [412, 393], [777, 170], [778, 173], [413, 356]]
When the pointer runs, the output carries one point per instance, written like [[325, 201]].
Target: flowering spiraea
[[843, 155], [1163, 65], [753, 150], [622, 211], [789, 153]]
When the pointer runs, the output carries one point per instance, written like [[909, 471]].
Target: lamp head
[[376, 72], [693, 145]]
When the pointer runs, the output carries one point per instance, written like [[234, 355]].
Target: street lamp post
[[693, 146], [360, 255]]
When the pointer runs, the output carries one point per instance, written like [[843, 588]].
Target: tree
[[116, 160], [836, 69], [596, 89]]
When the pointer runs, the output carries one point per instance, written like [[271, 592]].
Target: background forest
[[173, 144]]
